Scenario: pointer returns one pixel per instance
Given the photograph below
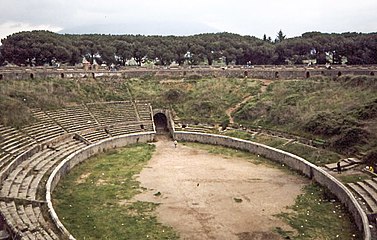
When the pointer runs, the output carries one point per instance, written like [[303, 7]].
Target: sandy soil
[[207, 196]]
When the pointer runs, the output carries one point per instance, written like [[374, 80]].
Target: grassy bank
[[342, 112], [317, 156], [93, 200]]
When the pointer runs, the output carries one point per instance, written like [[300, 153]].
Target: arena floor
[[208, 196]]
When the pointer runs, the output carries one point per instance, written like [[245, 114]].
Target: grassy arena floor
[[92, 201]]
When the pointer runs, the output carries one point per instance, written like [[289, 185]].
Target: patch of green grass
[[240, 134], [93, 201], [229, 152], [352, 178], [317, 156], [317, 215]]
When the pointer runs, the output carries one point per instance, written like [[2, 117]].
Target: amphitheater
[[34, 158]]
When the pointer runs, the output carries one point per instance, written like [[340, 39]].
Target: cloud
[[248, 17], [8, 28]]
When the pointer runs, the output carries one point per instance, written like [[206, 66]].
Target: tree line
[[44, 47]]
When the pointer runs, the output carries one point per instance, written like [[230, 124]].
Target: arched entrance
[[161, 123]]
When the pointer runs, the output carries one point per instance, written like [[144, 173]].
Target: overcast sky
[[168, 17]]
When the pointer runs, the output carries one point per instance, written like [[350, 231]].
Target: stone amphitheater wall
[[294, 162], [299, 164], [260, 73], [75, 158]]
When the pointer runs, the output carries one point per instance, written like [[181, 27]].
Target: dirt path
[[205, 196], [231, 110]]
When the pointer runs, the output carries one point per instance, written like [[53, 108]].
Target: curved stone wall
[[291, 160], [297, 163], [75, 158]]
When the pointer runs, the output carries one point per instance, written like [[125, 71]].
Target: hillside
[[342, 112]]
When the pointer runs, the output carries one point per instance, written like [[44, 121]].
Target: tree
[[280, 37], [43, 47]]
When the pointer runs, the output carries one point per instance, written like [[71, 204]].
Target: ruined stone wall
[[278, 72]]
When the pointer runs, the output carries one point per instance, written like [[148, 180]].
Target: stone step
[[372, 184], [364, 198]]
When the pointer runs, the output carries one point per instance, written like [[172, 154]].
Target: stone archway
[[161, 123]]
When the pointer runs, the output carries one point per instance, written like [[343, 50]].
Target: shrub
[[367, 111], [371, 157], [350, 138], [323, 123], [329, 124]]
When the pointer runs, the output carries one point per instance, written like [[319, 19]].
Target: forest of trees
[[43, 47]]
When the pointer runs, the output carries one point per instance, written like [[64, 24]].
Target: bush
[[350, 138], [224, 124], [329, 124], [323, 123], [368, 111], [174, 95], [371, 157]]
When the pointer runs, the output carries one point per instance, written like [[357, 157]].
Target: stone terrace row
[[49, 140]]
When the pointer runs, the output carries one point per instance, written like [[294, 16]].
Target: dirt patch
[[206, 196], [265, 84], [101, 182], [83, 177]]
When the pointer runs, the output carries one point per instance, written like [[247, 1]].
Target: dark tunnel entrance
[[161, 123]]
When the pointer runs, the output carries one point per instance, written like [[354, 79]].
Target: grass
[[202, 100], [347, 104], [317, 156], [295, 107], [229, 152], [352, 178], [93, 201], [17, 97], [318, 215]]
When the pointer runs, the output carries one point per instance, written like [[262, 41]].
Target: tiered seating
[[95, 135], [366, 193], [23, 182], [14, 141], [22, 193], [194, 128], [21, 205], [113, 112], [73, 119], [118, 130], [27, 221], [5, 159], [44, 129], [144, 111]]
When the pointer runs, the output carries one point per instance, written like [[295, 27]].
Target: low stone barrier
[[79, 156], [297, 163]]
